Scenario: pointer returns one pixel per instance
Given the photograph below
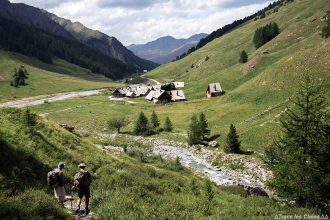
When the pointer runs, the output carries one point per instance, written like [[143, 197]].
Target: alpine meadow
[[165, 109]]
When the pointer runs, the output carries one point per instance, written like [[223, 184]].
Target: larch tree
[[299, 159]]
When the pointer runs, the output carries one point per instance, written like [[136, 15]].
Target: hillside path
[[42, 99], [153, 80]]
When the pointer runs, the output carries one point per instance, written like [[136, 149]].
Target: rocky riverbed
[[251, 175]]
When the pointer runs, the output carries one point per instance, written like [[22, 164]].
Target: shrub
[[118, 123], [31, 204]]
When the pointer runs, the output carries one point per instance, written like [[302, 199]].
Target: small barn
[[150, 96], [177, 96], [178, 85], [121, 92], [214, 89], [131, 94], [161, 97], [143, 90]]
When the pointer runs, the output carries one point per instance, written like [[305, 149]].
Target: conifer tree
[[263, 14], [232, 141], [299, 159], [265, 34], [142, 125], [194, 132], [203, 126], [168, 126], [154, 120], [244, 57]]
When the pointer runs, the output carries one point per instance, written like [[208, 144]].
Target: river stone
[[214, 144]]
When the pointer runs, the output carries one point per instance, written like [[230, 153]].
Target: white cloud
[[140, 21]]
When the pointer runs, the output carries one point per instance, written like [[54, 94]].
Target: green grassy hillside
[[45, 78], [256, 92], [126, 187], [274, 68]]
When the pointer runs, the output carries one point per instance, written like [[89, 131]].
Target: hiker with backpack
[[82, 181], [55, 178]]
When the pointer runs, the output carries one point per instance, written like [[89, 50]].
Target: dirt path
[[121, 100], [39, 100], [253, 176], [153, 80], [71, 207]]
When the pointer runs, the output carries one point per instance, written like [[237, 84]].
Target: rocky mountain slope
[[108, 45], [53, 24], [165, 49]]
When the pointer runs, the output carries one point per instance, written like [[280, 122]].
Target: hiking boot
[[77, 211], [87, 211]]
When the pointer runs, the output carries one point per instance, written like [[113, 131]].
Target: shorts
[[84, 191], [59, 193]]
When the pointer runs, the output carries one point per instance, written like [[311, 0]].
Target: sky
[[141, 21]]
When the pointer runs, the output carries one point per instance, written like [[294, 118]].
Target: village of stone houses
[[163, 93]]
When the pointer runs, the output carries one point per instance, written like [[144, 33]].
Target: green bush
[[32, 204]]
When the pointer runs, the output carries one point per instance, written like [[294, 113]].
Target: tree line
[[30, 41], [143, 126], [265, 34], [229, 27]]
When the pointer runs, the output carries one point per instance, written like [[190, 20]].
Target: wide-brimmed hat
[[82, 165]]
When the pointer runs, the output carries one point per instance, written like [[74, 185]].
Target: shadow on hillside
[[246, 152], [213, 137], [20, 169], [60, 68]]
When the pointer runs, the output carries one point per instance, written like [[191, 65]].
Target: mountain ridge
[[164, 49], [48, 22], [108, 45]]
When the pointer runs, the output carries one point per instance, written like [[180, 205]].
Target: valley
[[159, 175]]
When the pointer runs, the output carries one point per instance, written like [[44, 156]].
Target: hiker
[[56, 179], [82, 181]]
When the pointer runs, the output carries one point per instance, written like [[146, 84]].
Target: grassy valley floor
[[45, 78]]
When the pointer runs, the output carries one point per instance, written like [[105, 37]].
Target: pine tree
[[232, 141], [263, 14], [203, 126], [142, 125], [168, 125], [194, 132], [154, 120], [300, 158], [265, 34], [244, 57]]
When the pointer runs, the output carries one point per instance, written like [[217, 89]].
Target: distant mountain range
[[165, 49], [73, 31]]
